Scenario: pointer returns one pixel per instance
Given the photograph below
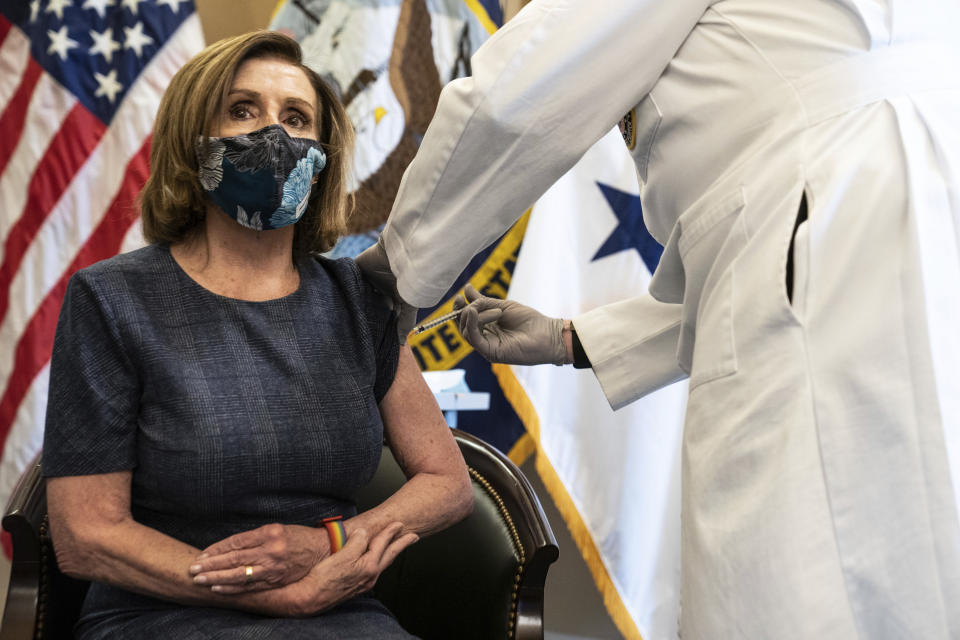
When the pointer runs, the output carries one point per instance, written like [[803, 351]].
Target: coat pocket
[[708, 246], [715, 353]]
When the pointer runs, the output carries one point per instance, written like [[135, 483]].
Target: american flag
[[80, 83]]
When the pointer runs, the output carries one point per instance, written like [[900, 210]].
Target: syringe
[[433, 323]]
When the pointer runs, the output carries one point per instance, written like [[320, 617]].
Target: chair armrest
[[532, 530], [23, 520], [482, 578]]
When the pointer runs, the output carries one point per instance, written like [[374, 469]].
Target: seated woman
[[217, 394]]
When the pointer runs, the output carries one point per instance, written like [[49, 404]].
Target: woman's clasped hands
[[294, 564]]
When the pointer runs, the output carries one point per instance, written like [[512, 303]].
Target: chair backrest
[[482, 578]]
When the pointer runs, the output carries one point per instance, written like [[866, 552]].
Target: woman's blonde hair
[[173, 204]]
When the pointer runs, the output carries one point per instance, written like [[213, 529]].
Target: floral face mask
[[261, 179]]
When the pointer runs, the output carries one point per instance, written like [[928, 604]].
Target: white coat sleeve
[[632, 346], [545, 87]]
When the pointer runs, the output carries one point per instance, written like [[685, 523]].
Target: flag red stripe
[[11, 122], [36, 342], [4, 28], [70, 148]]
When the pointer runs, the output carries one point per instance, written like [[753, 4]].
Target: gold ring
[[248, 572]]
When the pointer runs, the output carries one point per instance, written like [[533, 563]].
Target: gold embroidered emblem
[[627, 129]]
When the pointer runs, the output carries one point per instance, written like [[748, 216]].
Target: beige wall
[[510, 7], [223, 18]]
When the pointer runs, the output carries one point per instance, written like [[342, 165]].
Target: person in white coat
[[800, 161]]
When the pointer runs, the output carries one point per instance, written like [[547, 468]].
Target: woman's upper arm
[[89, 501], [415, 429], [83, 509]]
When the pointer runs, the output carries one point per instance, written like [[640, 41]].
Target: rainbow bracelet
[[338, 535]]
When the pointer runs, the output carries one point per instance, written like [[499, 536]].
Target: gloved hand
[[375, 266], [509, 332]]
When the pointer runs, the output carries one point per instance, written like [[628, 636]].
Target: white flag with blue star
[[614, 475]]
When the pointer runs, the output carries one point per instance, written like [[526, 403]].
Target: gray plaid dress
[[231, 415]]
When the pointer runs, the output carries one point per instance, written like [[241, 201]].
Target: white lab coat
[[821, 440]]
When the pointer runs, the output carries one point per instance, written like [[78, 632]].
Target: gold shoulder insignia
[[627, 129]]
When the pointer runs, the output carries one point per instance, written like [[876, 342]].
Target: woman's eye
[[298, 121], [240, 111]]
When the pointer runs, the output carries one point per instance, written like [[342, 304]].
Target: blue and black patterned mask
[[261, 179]]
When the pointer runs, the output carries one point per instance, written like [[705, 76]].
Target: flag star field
[[96, 48]]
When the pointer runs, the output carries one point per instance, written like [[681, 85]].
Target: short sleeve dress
[[231, 415]]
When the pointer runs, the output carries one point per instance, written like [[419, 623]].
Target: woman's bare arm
[[95, 538], [438, 492]]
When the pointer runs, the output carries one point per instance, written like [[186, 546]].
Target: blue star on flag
[[630, 232]]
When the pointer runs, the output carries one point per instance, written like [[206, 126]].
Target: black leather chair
[[481, 579]]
